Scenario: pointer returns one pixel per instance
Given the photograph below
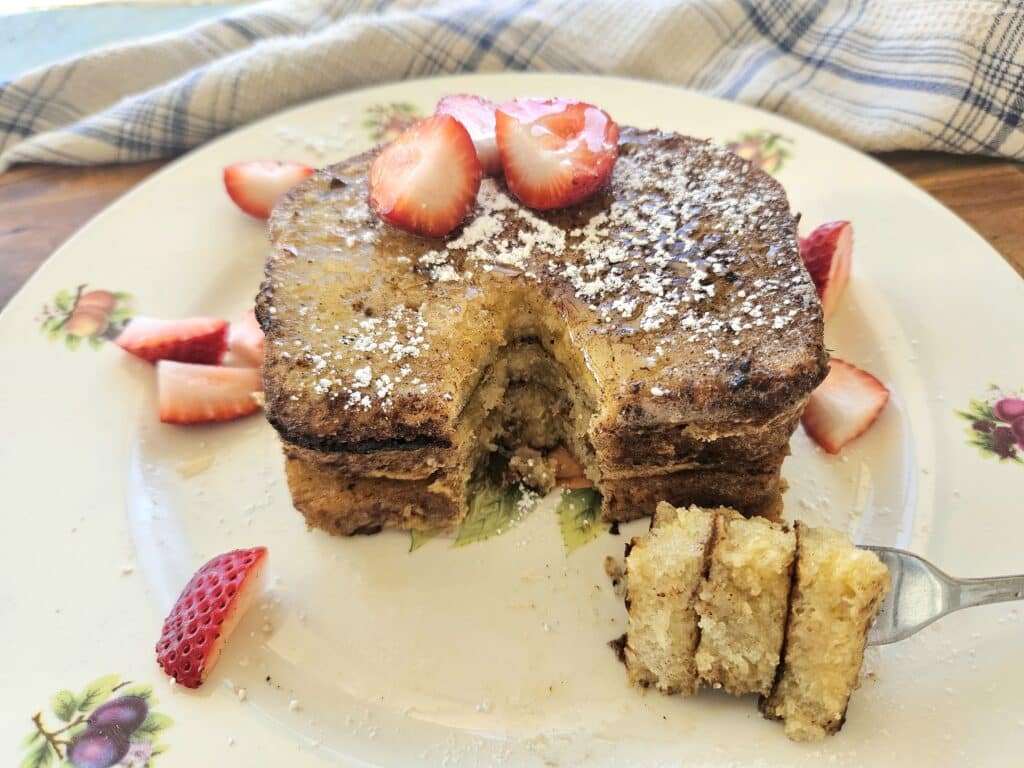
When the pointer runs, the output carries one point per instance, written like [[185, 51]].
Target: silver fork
[[921, 593]]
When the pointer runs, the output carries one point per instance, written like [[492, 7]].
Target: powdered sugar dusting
[[678, 233], [389, 342], [487, 241], [664, 250]]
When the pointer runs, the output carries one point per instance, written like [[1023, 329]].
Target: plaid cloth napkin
[[879, 74]]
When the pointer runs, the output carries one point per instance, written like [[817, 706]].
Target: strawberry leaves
[[579, 518], [493, 511], [418, 538]]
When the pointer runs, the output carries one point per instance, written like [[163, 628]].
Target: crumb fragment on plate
[[194, 465], [616, 572]]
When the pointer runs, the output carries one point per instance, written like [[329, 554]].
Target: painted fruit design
[[93, 316], [997, 424], [109, 723], [97, 749], [765, 149], [385, 122]]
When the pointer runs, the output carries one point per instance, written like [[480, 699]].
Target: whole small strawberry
[[207, 612]]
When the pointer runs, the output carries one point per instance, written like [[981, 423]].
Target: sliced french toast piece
[[664, 512], [743, 602], [664, 570], [837, 592]]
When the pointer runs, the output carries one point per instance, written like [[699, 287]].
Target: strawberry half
[[207, 612], [194, 394], [255, 186], [555, 152], [245, 342], [843, 406], [426, 180], [191, 340], [827, 253], [477, 116], [568, 472]]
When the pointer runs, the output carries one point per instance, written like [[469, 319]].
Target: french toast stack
[[664, 330], [750, 606]]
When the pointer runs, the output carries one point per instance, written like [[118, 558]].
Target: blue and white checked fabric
[[878, 74]]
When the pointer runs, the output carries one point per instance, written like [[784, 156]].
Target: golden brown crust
[[406, 463], [672, 447], [345, 504], [749, 490]]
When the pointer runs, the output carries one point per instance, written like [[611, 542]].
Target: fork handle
[[1000, 589]]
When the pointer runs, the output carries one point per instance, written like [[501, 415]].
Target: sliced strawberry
[[827, 252], [568, 472], [843, 406], [477, 116], [426, 180], [193, 394], [245, 342], [191, 340], [207, 612], [555, 152], [255, 186]]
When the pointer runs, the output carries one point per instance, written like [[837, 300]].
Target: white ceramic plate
[[365, 653]]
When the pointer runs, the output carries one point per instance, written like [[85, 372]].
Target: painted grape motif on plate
[[997, 425], [110, 722]]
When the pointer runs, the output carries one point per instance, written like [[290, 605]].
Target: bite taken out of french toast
[[648, 310]]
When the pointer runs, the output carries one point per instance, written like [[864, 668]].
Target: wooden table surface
[[41, 206]]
